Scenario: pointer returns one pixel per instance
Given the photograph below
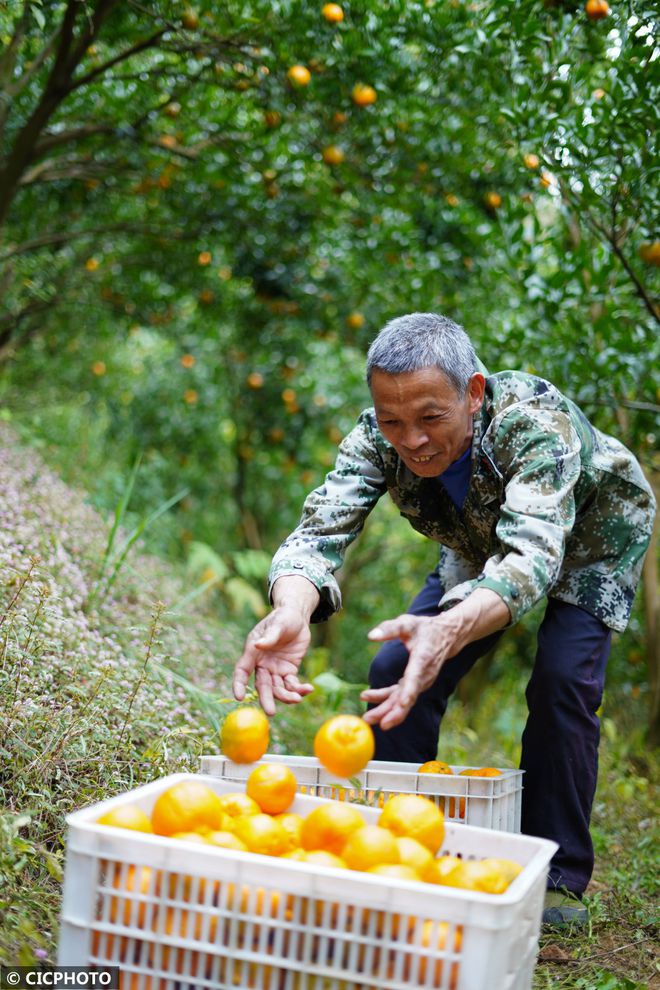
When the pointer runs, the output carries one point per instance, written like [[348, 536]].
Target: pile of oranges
[[436, 766], [403, 844]]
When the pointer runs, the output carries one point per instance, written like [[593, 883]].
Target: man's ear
[[476, 388]]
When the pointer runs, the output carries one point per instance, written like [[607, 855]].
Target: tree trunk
[[651, 597]]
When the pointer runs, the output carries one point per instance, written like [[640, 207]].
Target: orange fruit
[[299, 75], [187, 807], [443, 868], [188, 361], [363, 96], [355, 321], [436, 766], [321, 857], [434, 936], [127, 816], [416, 817], [330, 826], [333, 155], [235, 804], [273, 786], [531, 160], [490, 876], [226, 840], [650, 253], [493, 200], [370, 846], [332, 13], [125, 910], [262, 834], [478, 772], [245, 733], [292, 825], [398, 871], [189, 836], [190, 19], [255, 380], [597, 9], [413, 853], [344, 745]]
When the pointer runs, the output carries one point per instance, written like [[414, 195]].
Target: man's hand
[[430, 641], [274, 651]]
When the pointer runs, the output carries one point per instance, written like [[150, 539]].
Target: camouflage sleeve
[[333, 516], [537, 452]]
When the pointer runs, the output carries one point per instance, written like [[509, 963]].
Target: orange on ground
[[292, 825], [127, 816], [244, 735], [187, 807], [344, 745], [413, 853], [330, 826], [273, 786], [370, 846], [262, 834], [235, 804], [416, 817]]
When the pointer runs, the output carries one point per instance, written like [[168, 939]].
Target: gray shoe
[[562, 909]]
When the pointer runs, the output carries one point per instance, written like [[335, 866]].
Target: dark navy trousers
[[560, 740]]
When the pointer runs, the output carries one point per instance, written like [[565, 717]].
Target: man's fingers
[[375, 695], [397, 628], [242, 673], [264, 686]]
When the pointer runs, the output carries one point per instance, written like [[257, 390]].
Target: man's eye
[[431, 417]]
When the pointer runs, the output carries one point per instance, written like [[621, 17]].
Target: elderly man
[[527, 501]]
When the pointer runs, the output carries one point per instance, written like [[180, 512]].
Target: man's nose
[[414, 438]]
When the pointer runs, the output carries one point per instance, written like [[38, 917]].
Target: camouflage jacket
[[554, 507]]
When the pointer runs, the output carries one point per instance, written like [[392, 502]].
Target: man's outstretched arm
[[431, 641], [274, 649]]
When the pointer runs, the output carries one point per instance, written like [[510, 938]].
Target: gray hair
[[423, 340]]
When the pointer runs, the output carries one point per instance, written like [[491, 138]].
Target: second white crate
[[486, 802]]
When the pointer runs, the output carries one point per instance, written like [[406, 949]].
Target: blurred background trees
[[208, 211]]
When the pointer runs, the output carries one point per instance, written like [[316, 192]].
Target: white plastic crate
[[175, 915], [487, 802]]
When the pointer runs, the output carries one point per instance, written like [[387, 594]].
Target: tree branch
[[73, 134], [120, 57], [65, 237]]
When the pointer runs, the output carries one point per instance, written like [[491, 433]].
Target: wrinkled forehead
[[425, 387]]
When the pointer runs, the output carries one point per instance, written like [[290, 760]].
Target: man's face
[[427, 422]]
